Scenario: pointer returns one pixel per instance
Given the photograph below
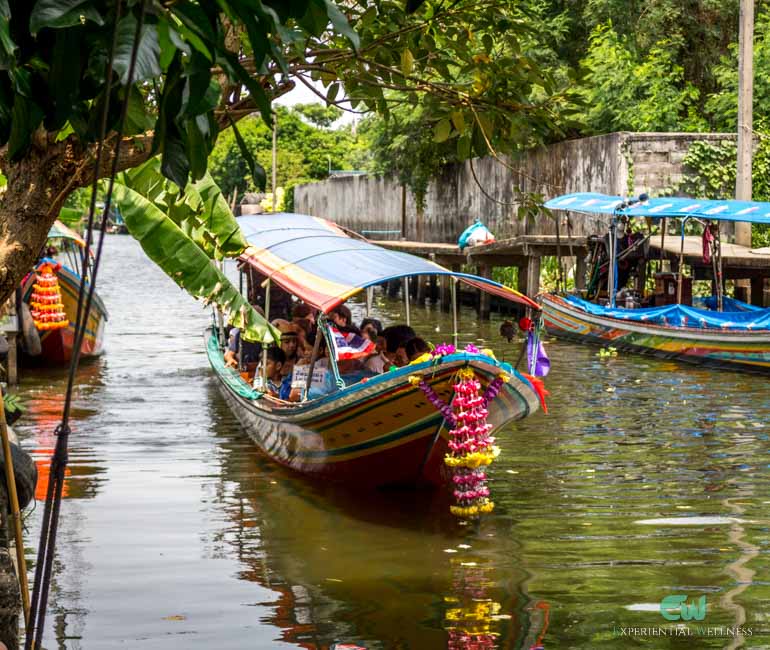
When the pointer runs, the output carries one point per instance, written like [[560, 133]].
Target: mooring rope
[[49, 526]]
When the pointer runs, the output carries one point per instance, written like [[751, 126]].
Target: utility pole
[[275, 157], [745, 130]]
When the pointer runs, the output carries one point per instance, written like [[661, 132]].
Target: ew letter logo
[[675, 607]]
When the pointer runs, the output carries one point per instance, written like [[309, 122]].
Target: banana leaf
[[201, 211], [185, 262]]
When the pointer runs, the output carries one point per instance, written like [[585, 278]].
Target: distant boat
[[730, 334], [377, 430], [66, 258]]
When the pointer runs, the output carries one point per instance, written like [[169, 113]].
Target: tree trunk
[[37, 188], [28, 208]]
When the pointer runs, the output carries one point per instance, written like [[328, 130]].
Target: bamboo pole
[[406, 300], [15, 511]]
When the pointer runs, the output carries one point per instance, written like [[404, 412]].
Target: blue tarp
[[728, 304], [710, 209], [681, 316]]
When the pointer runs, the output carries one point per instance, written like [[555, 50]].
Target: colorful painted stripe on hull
[[729, 349]]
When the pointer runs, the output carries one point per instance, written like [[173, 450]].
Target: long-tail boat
[[726, 333], [51, 292], [392, 428]]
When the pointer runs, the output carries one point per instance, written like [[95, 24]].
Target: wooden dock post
[[580, 272], [484, 298], [529, 277], [421, 289], [445, 294], [758, 292]]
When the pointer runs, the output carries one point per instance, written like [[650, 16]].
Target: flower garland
[[470, 445], [471, 448], [45, 301]]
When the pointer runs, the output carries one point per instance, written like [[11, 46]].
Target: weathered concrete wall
[[618, 163]]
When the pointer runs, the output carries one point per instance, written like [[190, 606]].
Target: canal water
[[646, 479]]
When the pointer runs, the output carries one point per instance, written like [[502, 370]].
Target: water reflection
[[381, 569], [188, 538]]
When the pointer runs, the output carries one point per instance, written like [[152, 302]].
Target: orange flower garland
[[45, 301]]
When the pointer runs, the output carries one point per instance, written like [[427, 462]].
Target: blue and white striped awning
[[669, 206]]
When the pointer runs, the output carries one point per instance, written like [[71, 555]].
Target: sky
[[303, 95]]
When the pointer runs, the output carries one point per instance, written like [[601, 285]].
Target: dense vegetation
[[643, 65]]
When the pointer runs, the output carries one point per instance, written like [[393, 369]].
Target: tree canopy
[[204, 65]]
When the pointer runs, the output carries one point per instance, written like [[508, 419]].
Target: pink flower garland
[[470, 445]]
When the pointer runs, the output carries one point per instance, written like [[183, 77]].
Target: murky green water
[[647, 479]]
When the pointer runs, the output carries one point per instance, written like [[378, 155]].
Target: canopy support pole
[[662, 241], [454, 310], [720, 282], [406, 300], [611, 271], [264, 347], [369, 300], [332, 354], [681, 265]]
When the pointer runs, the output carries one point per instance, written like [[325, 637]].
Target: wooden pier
[[526, 252]]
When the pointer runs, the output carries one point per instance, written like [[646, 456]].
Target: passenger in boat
[[302, 310], [250, 352], [372, 328], [416, 348], [323, 378], [343, 319], [394, 353], [290, 334], [275, 360]]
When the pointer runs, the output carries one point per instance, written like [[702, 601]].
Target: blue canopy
[[320, 263], [681, 316], [669, 206]]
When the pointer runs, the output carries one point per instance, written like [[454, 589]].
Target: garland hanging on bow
[[45, 302]]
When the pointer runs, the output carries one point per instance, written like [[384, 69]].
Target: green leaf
[[331, 94], [341, 24], [186, 264], [138, 118], [7, 46], [147, 56], [464, 147], [5, 10], [26, 117], [62, 13], [458, 120], [407, 62], [257, 171], [442, 130]]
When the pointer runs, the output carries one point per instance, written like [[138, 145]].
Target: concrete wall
[[618, 163]]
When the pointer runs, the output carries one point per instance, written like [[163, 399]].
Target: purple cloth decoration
[[539, 363]]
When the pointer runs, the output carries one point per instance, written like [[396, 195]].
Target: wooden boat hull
[[380, 432], [736, 350], [57, 345]]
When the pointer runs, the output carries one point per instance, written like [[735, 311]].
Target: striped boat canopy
[[669, 206], [320, 263], [60, 231]]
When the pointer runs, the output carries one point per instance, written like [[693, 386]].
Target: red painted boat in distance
[[58, 344]]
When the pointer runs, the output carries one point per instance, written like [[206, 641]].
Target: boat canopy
[[60, 231], [669, 206], [323, 265]]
